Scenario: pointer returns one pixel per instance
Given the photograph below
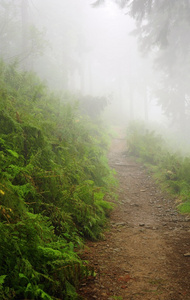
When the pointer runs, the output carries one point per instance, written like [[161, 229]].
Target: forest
[[70, 76]]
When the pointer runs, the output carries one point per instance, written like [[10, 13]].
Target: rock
[[116, 250], [187, 254], [141, 224], [120, 224]]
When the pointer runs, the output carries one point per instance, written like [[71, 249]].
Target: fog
[[89, 51]]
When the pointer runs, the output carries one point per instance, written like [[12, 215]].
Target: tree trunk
[[146, 116], [24, 16], [131, 102]]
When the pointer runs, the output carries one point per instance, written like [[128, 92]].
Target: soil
[[146, 251]]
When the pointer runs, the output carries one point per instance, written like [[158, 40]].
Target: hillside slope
[[54, 179]]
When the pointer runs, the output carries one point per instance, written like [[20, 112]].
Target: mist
[[101, 52], [92, 52], [94, 149]]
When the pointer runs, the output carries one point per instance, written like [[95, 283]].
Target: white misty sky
[[111, 61]]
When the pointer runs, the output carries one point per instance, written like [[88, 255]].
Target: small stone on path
[[120, 224], [141, 224]]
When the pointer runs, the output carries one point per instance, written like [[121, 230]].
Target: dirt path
[[142, 256]]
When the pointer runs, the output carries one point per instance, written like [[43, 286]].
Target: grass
[[184, 208], [170, 169]]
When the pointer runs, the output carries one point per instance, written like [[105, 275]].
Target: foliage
[[163, 31], [144, 143], [172, 170], [184, 207], [54, 179], [93, 106]]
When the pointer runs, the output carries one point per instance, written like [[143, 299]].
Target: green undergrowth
[[171, 169], [55, 187]]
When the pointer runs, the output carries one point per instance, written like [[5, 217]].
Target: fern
[[54, 182]]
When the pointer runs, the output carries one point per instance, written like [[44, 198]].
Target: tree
[[163, 29], [20, 40]]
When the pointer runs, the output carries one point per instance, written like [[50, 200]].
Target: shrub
[[54, 179], [171, 169]]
